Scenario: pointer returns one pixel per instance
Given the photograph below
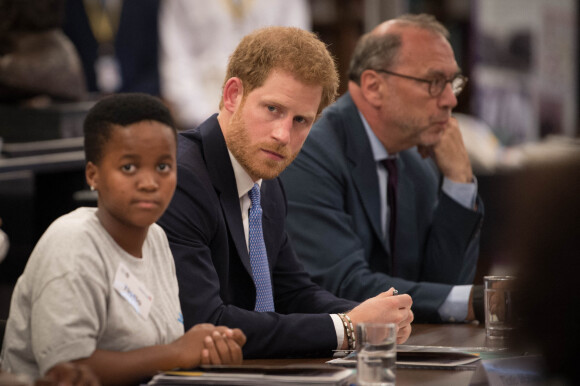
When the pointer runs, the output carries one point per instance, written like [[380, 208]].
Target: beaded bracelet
[[349, 330]]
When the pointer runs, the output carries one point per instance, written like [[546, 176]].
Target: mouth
[[146, 204], [441, 122], [438, 127], [273, 155]]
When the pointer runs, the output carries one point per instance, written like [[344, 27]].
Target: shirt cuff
[[339, 327], [454, 309], [464, 194]]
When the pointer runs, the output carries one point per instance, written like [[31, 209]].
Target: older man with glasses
[[382, 194]]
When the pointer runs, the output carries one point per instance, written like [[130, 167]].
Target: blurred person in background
[[118, 43], [196, 40], [544, 229], [37, 61]]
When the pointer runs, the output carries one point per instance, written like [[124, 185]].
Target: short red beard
[[238, 143]]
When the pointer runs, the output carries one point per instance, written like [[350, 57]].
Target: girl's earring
[[92, 188]]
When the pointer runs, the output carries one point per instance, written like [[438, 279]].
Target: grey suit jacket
[[334, 219]]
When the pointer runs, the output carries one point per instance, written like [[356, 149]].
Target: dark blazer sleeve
[[215, 286], [334, 220]]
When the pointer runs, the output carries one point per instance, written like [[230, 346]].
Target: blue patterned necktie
[[258, 256]]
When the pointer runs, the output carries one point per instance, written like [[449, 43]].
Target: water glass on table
[[500, 316], [376, 354]]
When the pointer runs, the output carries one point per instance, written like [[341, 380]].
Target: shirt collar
[[244, 182], [379, 151]]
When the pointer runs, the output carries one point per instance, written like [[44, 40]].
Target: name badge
[[133, 291]]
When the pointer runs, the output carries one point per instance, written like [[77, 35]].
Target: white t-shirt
[[65, 304]]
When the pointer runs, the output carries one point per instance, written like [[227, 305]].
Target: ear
[[92, 175], [233, 94], [372, 87]]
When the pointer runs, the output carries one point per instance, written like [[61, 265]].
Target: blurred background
[[520, 108]]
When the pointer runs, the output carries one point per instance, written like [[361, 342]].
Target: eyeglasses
[[436, 85]]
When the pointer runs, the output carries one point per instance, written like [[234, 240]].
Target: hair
[[120, 110], [289, 49], [380, 50]]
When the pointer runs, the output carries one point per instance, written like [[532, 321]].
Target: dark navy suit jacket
[[205, 231], [334, 219]]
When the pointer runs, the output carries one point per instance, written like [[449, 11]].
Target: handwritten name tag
[[133, 291]]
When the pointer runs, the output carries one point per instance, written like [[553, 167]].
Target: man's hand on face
[[450, 154]]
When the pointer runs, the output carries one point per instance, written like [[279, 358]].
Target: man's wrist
[[349, 333], [461, 178], [464, 194]]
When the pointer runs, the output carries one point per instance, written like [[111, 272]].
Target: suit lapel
[[272, 219], [223, 179], [363, 167]]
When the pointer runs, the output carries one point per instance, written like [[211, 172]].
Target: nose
[[447, 99], [147, 181], [281, 132]]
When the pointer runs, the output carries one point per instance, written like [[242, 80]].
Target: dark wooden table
[[456, 335]]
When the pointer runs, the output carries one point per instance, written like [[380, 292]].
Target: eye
[[437, 86], [272, 108], [128, 168], [164, 167], [439, 82], [300, 119]]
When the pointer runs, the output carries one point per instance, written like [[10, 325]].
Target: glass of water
[[500, 318], [376, 354]]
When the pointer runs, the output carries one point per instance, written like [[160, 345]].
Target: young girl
[[100, 286]]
